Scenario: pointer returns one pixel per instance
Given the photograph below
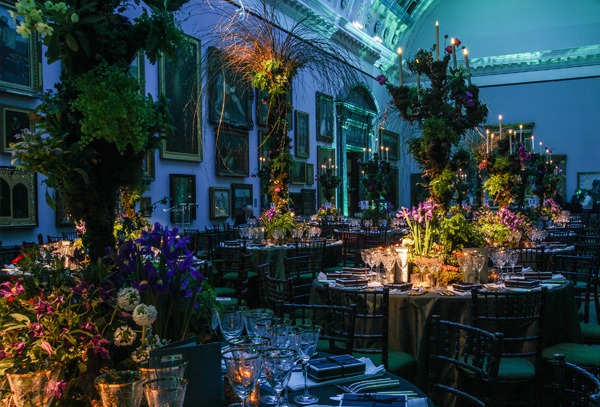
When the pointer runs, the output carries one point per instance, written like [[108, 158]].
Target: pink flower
[[277, 189], [449, 49], [47, 347]]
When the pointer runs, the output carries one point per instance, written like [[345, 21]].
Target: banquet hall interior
[[397, 172]]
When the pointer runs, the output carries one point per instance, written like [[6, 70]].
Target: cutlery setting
[[372, 384], [446, 293]]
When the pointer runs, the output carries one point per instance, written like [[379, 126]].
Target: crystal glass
[[253, 315], [231, 322], [435, 266], [478, 260], [368, 223], [498, 257], [165, 392], [120, 389], [33, 384], [465, 264], [306, 344], [512, 258], [170, 366], [278, 365], [243, 369], [388, 258]]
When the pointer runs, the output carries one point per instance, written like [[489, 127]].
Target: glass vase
[[33, 384], [120, 389]]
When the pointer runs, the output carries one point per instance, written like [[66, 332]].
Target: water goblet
[[464, 262], [253, 315], [278, 365], [243, 368], [306, 343], [231, 322], [499, 259], [165, 391], [512, 258], [478, 260]]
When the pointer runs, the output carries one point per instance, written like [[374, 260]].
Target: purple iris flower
[[8, 290]]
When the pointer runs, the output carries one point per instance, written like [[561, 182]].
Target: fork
[[369, 385]]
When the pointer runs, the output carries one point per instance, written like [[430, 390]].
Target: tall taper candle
[[532, 144], [540, 148], [466, 55], [437, 41], [510, 141], [492, 144], [452, 42], [500, 124], [521, 133], [364, 154], [400, 65]]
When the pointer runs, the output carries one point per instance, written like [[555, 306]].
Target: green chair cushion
[[306, 277], [590, 332], [399, 363], [232, 275], [578, 353], [224, 291], [231, 302], [512, 369]]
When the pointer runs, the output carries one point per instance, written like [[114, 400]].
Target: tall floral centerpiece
[[95, 128], [376, 181], [270, 58], [423, 223], [444, 110], [329, 181]]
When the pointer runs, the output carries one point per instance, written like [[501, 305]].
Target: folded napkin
[[417, 402], [459, 292], [297, 380], [373, 400]]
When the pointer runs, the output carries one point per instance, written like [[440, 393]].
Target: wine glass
[[464, 262], [478, 263], [278, 365], [231, 322], [253, 315], [389, 261], [306, 344], [499, 259], [512, 257], [435, 266], [243, 368]]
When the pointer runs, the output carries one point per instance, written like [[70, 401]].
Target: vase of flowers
[[33, 384], [272, 219]]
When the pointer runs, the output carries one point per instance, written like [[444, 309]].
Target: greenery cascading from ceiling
[[94, 130], [444, 110]]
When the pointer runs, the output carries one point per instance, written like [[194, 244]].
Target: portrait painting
[[230, 96], [14, 120], [183, 198], [180, 83], [219, 203], [325, 118], [19, 57], [18, 198], [241, 195], [232, 154], [301, 135]]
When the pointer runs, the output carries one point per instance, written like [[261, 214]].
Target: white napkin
[[525, 269], [297, 380], [418, 402], [458, 292]]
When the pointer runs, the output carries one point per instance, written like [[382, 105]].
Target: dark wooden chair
[[336, 323], [352, 243], [371, 328], [54, 239], [464, 362], [314, 248], [278, 291], [69, 236], [532, 257], [581, 271], [302, 273], [8, 254], [566, 384], [235, 286]]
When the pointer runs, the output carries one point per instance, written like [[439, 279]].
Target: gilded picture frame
[[324, 117], [182, 188], [180, 82], [301, 134], [18, 198], [14, 120], [219, 202], [232, 154], [20, 58]]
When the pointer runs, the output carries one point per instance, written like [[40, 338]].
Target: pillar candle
[[400, 65], [452, 42], [466, 55], [437, 41]]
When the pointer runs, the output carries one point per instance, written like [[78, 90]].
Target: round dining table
[[409, 317]]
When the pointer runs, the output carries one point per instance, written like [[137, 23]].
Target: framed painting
[[241, 195], [392, 189], [18, 198], [262, 108], [219, 202], [20, 58], [324, 110], [182, 189], [137, 69], [150, 165], [325, 157], [390, 142], [310, 173], [263, 150], [179, 82], [14, 120], [298, 173], [301, 134], [230, 96], [146, 206], [232, 154], [309, 201], [62, 217], [589, 181]]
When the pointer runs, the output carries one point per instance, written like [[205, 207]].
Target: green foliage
[[456, 233], [376, 178]]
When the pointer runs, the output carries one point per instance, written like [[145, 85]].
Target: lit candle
[[453, 42], [540, 147], [260, 163], [466, 55], [387, 154], [400, 65], [532, 144], [487, 141], [370, 156], [500, 124], [364, 154], [437, 41], [510, 141], [330, 163], [521, 133], [492, 144], [381, 149]]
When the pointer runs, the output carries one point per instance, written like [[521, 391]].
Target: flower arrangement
[[501, 228], [328, 182], [328, 210], [550, 209], [422, 222], [376, 176], [273, 219]]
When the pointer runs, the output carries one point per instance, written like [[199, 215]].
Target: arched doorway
[[355, 115]]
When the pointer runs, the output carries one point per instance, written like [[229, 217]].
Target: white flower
[[124, 336], [44, 29], [23, 30], [140, 354], [144, 315], [128, 298]]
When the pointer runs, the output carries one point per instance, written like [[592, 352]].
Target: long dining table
[[409, 317]]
